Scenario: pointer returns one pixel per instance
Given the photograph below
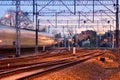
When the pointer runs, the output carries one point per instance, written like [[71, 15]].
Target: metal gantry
[[17, 28], [69, 7], [64, 13], [58, 2]]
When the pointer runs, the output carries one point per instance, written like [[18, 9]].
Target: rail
[[50, 66]]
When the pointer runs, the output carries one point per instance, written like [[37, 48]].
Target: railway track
[[30, 72], [12, 63], [29, 60]]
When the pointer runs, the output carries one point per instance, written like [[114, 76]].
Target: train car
[[27, 38]]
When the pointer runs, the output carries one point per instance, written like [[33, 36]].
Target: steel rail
[[58, 67], [3, 74], [27, 68], [20, 62]]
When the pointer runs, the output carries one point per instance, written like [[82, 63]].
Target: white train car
[[27, 38]]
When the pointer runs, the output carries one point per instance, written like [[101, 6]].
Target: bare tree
[[70, 31], [8, 19]]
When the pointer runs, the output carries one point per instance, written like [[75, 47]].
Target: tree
[[9, 19]]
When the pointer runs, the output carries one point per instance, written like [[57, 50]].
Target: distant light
[[106, 40], [7, 16], [8, 64], [56, 42], [42, 38], [1, 41], [70, 40]]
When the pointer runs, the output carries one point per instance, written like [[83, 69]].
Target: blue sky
[[61, 8], [29, 9]]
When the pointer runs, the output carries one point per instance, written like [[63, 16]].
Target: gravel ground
[[93, 69], [84, 71], [115, 76]]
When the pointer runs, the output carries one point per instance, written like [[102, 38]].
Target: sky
[[62, 20]]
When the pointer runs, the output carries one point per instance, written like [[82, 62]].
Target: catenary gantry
[[74, 8], [111, 11], [94, 9], [75, 11], [59, 2]]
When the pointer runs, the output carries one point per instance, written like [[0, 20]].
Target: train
[[27, 38]]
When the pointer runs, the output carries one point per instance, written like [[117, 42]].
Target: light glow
[[1, 41], [7, 16]]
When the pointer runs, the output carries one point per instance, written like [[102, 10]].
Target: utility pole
[[10, 19], [117, 24], [74, 7], [35, 19], [33, 9], [79, 20], [17, 28], [93, 9], [56, 19], [36, 42]]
